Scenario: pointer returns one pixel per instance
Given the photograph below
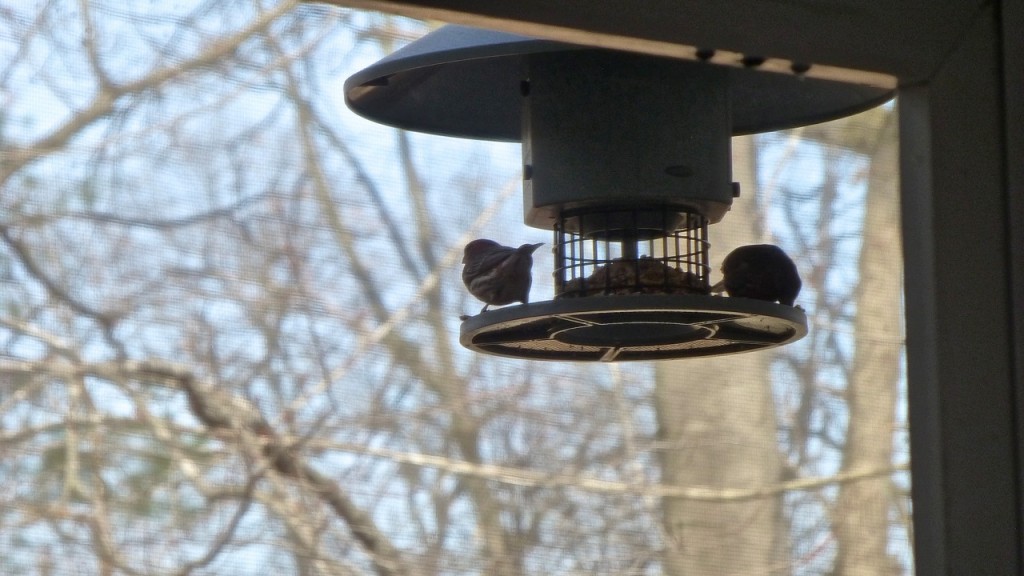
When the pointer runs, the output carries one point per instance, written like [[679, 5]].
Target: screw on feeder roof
[[627, 158]]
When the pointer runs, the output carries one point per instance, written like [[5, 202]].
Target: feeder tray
[[636, 327], [632, 284]]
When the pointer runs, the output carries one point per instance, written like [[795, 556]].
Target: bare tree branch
[[219, 410], [394, 231], [217, 545], [107, 321], [529, 478], [104, 102]]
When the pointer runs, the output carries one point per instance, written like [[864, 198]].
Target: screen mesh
[[229, 332]]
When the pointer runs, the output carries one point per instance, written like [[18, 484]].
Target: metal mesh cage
[[630, 251], [632, 283]]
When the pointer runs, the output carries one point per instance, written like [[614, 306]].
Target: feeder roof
[[465, 82]]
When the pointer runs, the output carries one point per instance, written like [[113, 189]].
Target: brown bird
[[761, 272], [498, 274]]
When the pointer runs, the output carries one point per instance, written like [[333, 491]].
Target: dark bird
[[498, 274], [761, 272]]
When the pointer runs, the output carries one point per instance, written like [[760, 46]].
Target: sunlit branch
[[417, 192], [224, 412], [107, 321], [30, 221], [300, 530], [226, 535], [394, 231], [51, 286], [89, 41], [57, 344], [24, 46], [105, 101], [523, 477], [399, 316], [464, 429]]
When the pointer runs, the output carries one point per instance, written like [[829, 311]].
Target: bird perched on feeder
[[496, 274], [761, 272]]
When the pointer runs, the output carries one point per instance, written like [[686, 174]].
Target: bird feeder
[[627, 160]]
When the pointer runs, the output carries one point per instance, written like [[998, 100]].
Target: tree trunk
[[717, 422], [861, 519]]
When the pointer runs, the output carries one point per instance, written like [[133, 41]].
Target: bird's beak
[[719, 287], [533, 247]]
